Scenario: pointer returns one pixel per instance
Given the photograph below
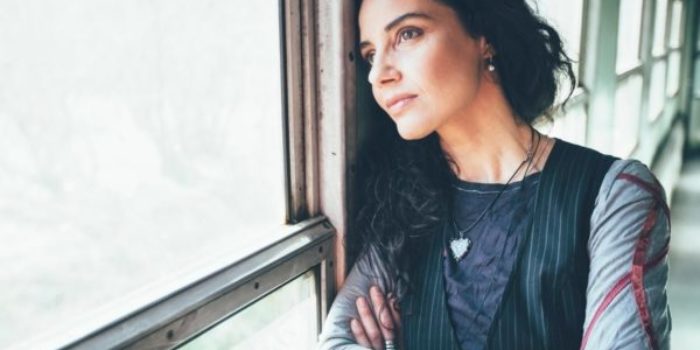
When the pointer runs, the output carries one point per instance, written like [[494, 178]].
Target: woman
[[475, 231]]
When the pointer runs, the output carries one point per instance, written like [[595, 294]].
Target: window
[[570, 126], [675, 42], [280, 321], [696, 78], [674, 71], [142, 139], [697, 40], [660, 28], [676, 35], [629, 35], [628, 100], [559, 14], [657, 93]]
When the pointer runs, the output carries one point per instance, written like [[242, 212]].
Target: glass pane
[[628, 35], [572, 126], [286, 319], [628, 100], [139, 138], [567, 19], [660, 27], [675, 38], [657, 90], [696, 79], [697, 41], [674, 72]]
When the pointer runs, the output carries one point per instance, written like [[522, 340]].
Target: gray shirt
[[630, 223]]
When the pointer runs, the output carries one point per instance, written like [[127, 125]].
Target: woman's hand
[[377, 323]]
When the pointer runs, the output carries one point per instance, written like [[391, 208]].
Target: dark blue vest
[[544, 304]]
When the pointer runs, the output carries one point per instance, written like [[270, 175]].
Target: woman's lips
[[400, 104]]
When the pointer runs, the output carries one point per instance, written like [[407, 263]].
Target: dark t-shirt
[[475, 285]]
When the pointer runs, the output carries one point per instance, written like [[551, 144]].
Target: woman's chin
[[412, 132]]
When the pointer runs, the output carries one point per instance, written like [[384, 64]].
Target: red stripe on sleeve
[[636, 275]]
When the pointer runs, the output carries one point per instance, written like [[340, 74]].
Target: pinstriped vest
[[543, 306]]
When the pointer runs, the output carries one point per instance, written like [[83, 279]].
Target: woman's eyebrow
[[398, 21]]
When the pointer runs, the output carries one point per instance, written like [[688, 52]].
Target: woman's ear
[[485, 48]]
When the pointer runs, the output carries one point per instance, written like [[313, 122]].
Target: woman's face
[[421, 56]]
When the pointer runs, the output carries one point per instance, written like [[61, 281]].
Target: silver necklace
[[460, 246]]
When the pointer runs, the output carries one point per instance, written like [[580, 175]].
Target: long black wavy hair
[[403, 186]]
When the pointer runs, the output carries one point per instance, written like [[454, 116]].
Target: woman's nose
[[382, 71]]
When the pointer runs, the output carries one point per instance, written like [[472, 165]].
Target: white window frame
[[600, 77]]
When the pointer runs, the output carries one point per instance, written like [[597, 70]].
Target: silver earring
[[490, 66]]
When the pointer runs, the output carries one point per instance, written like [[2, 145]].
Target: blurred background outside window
[[141, 141]]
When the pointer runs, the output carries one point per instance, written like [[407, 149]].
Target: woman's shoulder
[[630, 201], [629, 180]]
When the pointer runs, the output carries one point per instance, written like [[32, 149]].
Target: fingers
[[395, 312], [377, 322], [359, 333], [369, 324], [383, 314]]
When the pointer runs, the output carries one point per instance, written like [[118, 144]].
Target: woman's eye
[[409, 33], [370, 58]]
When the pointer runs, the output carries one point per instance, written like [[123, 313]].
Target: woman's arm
[[630, 231], [337, 333]]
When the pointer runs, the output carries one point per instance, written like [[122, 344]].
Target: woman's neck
[[489, 143]]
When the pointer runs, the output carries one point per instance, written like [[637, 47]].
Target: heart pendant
[[460, 247]]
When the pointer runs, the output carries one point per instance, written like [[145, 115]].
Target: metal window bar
[[188, 312], [300, 105]]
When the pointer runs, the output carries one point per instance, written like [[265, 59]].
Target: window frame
[[678, 50], [668, 51], [604, 78], [665, 35], [308, 242], [320, 129], [637, 72], [655, 126], [691, 54], [581, 94], [652, 115], [191, 311], [677, 89], [639, 58]]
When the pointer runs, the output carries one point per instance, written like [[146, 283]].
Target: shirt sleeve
[[336, 333], [626, 305]]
